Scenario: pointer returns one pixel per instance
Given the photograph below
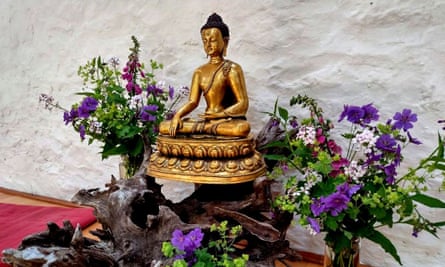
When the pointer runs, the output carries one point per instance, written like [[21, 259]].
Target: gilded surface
[[221, 82], [216, 171], [217, 147], [205, 148]]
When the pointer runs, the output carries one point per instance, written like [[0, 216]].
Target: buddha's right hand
[[175, 124]]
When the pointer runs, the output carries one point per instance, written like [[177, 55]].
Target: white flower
[[96, 127], [366, 140], [135, 101], [114, 62], [161, 85], [311, 230], [355, 171], [307, 134], [183, 91]]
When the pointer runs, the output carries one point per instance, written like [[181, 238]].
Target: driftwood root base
[[136, 218]]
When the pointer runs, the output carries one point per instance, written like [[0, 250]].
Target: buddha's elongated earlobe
[[226, 44]]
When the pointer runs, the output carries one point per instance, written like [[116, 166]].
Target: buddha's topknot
[[215, 21]]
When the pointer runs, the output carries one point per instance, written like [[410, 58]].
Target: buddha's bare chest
[[214, 84]]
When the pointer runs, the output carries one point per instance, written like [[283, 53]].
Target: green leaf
[[348, 135], [275, 107], [179, 263], [331, 223], [278, 144], [440, 152], [438, 224], [167, 249], [428, 201], [378, 238], [408, 207], [437, 166], [91, 94], [275, 157], [284, 114], [137, 147], [115, 150], [128, 131]]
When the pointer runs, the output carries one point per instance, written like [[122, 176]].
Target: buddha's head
[[215, 36]]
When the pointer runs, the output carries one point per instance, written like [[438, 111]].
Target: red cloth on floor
[[19, 221]]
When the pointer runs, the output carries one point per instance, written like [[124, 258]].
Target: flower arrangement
[[188, 249], [349, 194], [122, 110]]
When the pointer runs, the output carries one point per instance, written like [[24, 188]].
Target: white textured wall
[[391, 53]]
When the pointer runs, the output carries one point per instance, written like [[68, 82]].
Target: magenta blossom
[[333, 147], [319, 136], [337, 166]]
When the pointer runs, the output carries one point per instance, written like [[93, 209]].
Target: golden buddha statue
[[222, 84], [216, 148]]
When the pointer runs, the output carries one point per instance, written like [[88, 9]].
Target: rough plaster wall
[[391, 53]]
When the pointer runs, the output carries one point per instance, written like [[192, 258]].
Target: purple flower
[[70, 116], [169, 115], [275, 122], [370, 113], [133, 88], [147, 112], [154, 90], [353, 114], [147, 117], [284, 167], [372, 157], [88, 105], [397, 156], [386, 143], [187, 243], [67, 118], [293, 122], [390, 172], [404, 120], [195, 237], [318, 206], [415, 232], [171, 91], [150, 108], [348, 190], [178, 239], [336, 203], [314, 224], [412, 139], [82, 132]]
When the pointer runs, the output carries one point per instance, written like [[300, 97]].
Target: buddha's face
[[213, 42]]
